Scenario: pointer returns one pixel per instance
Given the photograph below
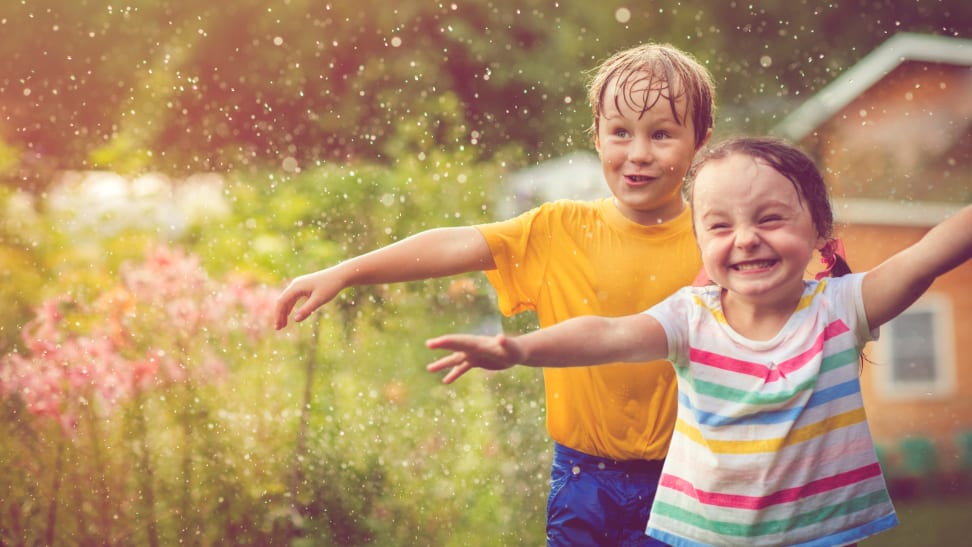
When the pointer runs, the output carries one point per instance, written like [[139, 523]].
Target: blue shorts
[[598, 502]]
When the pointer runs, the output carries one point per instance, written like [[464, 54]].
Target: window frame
[[939, 307]]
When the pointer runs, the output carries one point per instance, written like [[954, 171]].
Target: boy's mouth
[[639, 179]]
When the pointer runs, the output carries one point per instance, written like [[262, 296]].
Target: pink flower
[[167, 323], [145, 372]]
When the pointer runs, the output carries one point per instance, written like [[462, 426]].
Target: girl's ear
[[821, 243]]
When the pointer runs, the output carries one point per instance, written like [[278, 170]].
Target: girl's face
[[754, 232]]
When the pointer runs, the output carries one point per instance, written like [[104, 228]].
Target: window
[[914, 356]]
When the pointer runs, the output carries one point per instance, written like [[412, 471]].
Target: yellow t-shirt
[[570, 258]]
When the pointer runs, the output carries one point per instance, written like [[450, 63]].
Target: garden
[[167, 168], [149, 401]]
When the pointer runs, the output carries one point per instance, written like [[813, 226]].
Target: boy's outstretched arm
[[434, 253], [581, 341], [897, 282]]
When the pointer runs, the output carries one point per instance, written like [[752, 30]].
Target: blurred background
[[167, 167]]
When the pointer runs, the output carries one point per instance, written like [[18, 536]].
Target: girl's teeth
[[754, 265]]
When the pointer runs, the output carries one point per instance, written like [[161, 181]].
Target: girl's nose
[[746, 237]]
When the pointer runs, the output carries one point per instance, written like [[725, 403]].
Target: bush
[[150, 402]]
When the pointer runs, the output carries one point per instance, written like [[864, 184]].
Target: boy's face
[[645, 153]]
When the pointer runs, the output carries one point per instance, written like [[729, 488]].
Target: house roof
[[901, 47]]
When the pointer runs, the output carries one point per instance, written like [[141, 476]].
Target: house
[[893, 136], [575, 176]]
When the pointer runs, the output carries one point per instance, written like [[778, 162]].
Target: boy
[[611, 425]]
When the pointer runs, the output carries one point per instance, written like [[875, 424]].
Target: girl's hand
[[470, 351]]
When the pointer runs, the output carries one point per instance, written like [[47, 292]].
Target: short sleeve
[[675, 315], [848, 297], [516, 246]]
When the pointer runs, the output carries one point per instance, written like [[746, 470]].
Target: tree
[[189, 86]]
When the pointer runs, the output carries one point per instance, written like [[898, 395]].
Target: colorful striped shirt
[[771, 443]]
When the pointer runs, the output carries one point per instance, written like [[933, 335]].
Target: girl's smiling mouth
[[753, 265]]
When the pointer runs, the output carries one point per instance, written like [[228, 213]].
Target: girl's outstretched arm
[[581, 341], [896, 283]]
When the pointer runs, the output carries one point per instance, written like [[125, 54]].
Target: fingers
[[309, 287], [457, 363], [469, 351], [449, 361], [455, 342], [282, 310], [285, 304], [318, 288], [308, 307], [455, 373]]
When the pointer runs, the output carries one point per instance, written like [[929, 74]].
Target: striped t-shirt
[[771, 444]]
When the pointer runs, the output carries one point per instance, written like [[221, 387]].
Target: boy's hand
[[319, 288], [470, 351]]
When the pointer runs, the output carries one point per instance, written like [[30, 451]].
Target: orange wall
[[940, 418], [904, 139]]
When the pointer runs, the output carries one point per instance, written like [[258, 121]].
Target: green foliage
[[928, 521], [9, 158], [327, 433], [186, 86], [21, 271]]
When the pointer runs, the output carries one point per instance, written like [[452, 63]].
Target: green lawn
[[929, 523]]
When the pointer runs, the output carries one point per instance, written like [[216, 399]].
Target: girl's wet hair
[[793, 164], [662, 68]]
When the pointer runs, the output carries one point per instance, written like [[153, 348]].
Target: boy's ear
[[705, 139]]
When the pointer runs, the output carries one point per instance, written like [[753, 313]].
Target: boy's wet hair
[[792, 163], [662, 68]]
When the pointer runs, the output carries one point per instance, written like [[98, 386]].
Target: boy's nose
[[641, 151]]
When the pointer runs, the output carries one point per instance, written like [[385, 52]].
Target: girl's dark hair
[[793, 164]]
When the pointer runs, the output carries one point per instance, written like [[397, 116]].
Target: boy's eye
[[660, 135], [620, 133]]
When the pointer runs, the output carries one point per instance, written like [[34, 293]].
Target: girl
[[771, 444]]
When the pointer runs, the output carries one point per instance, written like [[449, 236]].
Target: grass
[[928, 521]]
